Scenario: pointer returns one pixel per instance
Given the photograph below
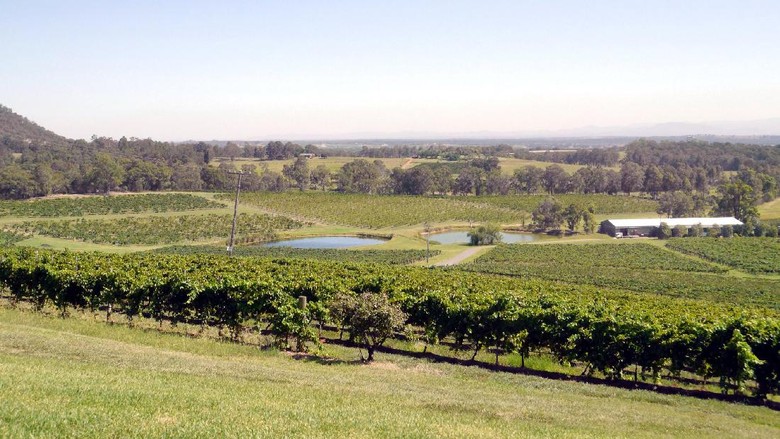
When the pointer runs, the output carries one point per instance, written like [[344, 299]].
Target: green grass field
[[770, 210], [79, 378], [333, 164]]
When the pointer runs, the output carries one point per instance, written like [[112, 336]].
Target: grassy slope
[[76, 378], [770, 210]]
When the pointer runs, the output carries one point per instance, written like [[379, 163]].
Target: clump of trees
[[739, 195], [485, 234], [362, 176], [298, 172], [550, 215]]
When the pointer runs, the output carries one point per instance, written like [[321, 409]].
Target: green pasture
[[770, 210], [79, 378], [334, 164]]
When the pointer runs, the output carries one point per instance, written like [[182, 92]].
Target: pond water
[[463, 238], [325, 242]]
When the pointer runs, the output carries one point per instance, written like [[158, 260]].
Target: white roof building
[[648, 226], [673, 222]]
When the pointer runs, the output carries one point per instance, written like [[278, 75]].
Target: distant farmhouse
[[647, 226]]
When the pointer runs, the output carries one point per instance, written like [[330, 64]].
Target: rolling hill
[[15, 129]]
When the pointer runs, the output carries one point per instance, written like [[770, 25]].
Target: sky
[[178, 70]]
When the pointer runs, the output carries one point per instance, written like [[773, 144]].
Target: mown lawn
[[78, 378]]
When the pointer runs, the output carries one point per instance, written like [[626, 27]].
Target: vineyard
[[377, 211], [636, 267], [155, 230], [9, 238], [618, 256], [753, 255], [102, 205], [608, 332], [390, 257]]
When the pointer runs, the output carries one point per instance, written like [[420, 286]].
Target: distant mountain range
[[761, 127], [764, 131], [751, 128]]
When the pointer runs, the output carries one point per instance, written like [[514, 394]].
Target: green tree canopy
[[549, 214], [298, 172], [737, 198], [486, 234]]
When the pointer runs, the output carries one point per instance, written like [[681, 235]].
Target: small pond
[[462, 237], [326, 242]]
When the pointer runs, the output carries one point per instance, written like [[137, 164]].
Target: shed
[[647, 226]]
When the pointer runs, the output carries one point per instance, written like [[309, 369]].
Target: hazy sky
[[175, 70]]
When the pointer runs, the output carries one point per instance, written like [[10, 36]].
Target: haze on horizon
[[246, 70]]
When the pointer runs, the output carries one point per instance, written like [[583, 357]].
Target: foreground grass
[[78, 378]]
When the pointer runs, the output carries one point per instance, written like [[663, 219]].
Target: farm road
[[460, 257]]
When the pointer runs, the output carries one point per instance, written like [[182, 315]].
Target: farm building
[[647, 226]]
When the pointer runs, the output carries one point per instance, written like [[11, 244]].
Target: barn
[[648, 226]]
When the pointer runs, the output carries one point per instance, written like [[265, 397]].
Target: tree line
[[680, 175]]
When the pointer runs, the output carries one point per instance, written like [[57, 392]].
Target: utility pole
[[235, 211], [427, 228]]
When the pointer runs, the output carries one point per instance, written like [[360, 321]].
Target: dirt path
[[407, 164], [460, 257]]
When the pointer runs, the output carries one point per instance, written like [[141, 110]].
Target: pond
[[462, 237], [326, 242]]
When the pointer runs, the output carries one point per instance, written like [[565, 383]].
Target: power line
[[235, 211]]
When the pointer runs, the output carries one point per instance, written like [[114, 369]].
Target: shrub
[[696, 231], [290, 321], [714, 231], [664, 232], [370, 318], [749, 227], [487, 234]]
